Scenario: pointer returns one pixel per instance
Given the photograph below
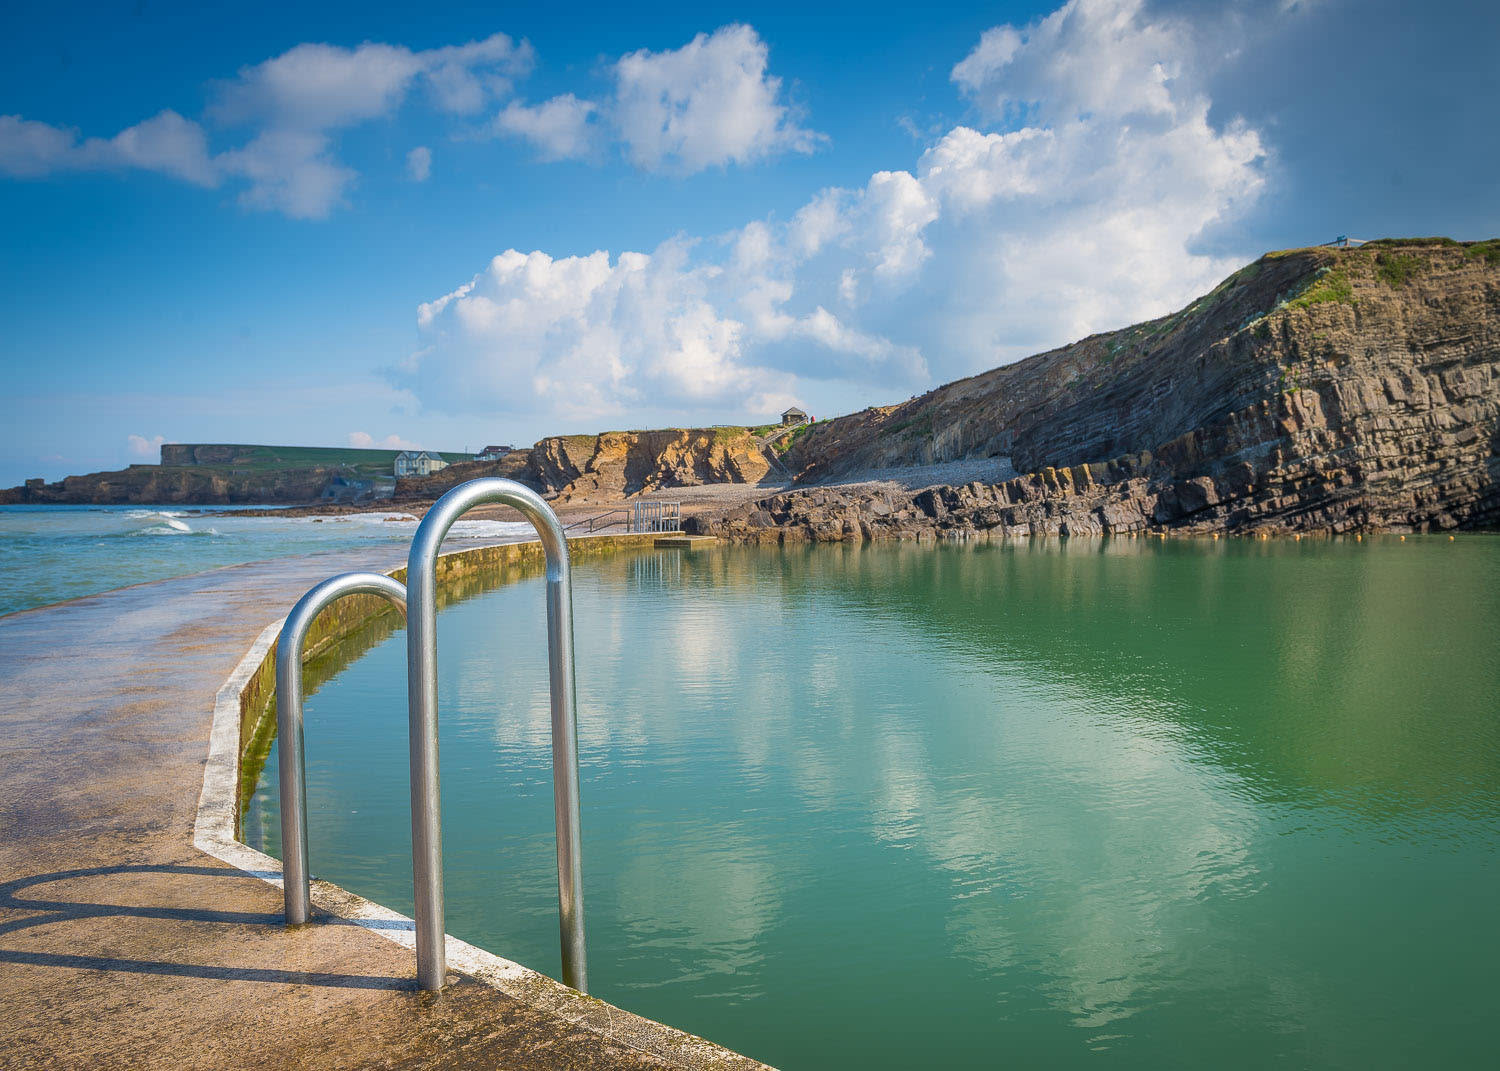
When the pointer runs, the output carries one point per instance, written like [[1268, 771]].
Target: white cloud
[[707, 104], [419, 164], [166, 143], [324, 87], [710, 103], [299, 97], [363, 440], [464, 78], [318, 87], [293, 103], [1095, 57], [140, 446], [588, 337], [1079, 214], [559, 128], [291, 171], [29, 149]]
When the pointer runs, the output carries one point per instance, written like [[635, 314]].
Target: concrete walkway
[[122, 945]]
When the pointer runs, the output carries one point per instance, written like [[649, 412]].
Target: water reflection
[[1175, 802]]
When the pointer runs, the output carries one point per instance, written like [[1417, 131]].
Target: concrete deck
[[123, 945]]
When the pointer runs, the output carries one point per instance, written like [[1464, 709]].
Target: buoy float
[[1450, 539], [1359, 538], [1403, 539]]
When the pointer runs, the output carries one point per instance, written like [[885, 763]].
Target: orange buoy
[[1403, 539]]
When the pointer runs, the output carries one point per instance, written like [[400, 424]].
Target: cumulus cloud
[[300, 97], [710, 103], [140, 446], [294, 104], [363, 440], [558, 128], [291, 171], [1074, 207], [322, 87], [166, 143], [419, 164], [587, 336], [706, 104], [1098, 57]]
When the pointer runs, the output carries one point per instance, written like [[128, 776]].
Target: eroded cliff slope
[[1314, 389], [619, 463]]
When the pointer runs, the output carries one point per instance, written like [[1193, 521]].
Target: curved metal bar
[[291, 762], [421, 647]]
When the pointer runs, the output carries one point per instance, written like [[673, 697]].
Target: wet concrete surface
[[121, 945]]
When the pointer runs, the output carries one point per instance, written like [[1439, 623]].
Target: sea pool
[[1130, 802]]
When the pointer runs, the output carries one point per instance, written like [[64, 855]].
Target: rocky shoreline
[[1312, 392]]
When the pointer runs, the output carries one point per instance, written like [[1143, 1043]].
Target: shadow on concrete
[[50, 912]]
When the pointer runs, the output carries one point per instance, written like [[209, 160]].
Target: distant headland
[[1332, 388]]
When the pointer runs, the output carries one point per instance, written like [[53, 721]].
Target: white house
[[418, 463]]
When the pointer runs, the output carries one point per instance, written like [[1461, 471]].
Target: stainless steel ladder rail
[[426, 802], [291, 761]]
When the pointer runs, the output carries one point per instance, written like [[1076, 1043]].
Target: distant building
[[418, 463], [494, 453], [794, 416]]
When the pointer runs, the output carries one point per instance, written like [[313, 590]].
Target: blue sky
[[488, 223]]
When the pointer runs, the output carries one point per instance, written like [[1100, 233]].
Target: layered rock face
[[1319, 389], [158, 484], [620, 463]]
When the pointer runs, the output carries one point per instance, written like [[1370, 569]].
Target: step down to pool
[[686, 542]]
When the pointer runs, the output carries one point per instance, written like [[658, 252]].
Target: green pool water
[[1063, 804]]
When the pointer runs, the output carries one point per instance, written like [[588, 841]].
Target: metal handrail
[[593, 522], [421, 641], [291, 761]]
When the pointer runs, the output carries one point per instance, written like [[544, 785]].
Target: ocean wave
[[491, 529]]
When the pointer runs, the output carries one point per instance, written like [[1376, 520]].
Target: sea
[[52, 553]]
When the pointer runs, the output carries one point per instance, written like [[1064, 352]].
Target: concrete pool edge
[[215, 828]]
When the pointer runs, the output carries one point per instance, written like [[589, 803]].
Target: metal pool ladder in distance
[[421, 667], [291, 763]]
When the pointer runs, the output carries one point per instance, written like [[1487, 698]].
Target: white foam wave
[[492, 529]]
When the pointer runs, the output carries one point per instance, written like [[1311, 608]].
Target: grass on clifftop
[[1397, 269], [1488, 251], [1330, 284]]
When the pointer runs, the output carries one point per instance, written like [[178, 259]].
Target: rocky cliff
[[514, 466], [222, 474], [188, 485], [619, 463], [1315, 389]]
